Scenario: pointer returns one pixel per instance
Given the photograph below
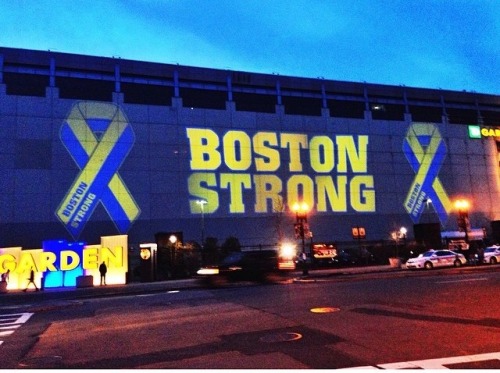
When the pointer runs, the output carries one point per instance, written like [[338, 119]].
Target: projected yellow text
[[258, 172]]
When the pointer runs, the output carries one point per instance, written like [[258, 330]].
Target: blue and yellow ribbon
[[99, 138], [425, 150]]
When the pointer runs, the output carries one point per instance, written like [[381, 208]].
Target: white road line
[[465, 280], [440, 363], [9, 323], [433, 363], [9, 327]]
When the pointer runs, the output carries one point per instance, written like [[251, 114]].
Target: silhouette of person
[[5, 276], [102, 270], [31, 280]]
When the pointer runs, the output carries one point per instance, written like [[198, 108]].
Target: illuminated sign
[[425, 150], [99, 138], [477, 132], [59, 263], [272, 167]]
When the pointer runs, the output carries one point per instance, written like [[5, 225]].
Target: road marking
[[433, 363], [465, 280], [9, 323]]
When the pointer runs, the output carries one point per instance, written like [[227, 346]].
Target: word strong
[[258, 172]]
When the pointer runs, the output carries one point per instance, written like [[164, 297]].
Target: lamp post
[[202, 204], [402, 234], [428, 203], [462, 205], [173, 242], [302, 229]]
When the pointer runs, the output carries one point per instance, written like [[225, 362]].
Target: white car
[[492, 254], [436, 258]]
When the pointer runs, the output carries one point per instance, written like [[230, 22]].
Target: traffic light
[[305, 230], [299, 230], [463, 222]]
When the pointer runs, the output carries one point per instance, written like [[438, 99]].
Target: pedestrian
[[102, 270], [5, 276], [480, 254], [31, 280]]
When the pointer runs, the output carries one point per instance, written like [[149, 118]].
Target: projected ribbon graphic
[[99, 138], [425, 150]]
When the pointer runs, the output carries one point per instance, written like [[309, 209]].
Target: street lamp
[[402, 234], [462, 205], [428, 203], [302, 229], [202, 203]]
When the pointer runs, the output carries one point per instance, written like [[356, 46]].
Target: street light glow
[[300, 207], [462, 204], [288, 250], [201, 202]]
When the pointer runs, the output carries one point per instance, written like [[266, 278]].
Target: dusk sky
[[447, 44]]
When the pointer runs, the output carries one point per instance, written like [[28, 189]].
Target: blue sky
[[448, 44]]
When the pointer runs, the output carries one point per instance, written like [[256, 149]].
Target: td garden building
[[96, 146]]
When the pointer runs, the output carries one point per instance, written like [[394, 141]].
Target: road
[[441, 318]]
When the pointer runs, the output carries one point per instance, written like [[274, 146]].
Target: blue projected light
[[99, 138], [62, 278]]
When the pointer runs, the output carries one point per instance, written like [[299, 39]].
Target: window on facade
[[147, 94], [203, 98], [387, 111], [426, 114], [302, 105], [491, 118], [85, 89], [461, 116], [346, 109], [254, 102], [26, 84]]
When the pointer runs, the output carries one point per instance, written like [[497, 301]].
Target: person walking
[[5, 276], [31, 280], [102, 270]]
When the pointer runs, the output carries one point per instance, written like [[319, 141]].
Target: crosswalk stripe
[[10, 327], [11, 322]]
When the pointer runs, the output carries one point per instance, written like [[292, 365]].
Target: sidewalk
[[17, 297], [52, 296]]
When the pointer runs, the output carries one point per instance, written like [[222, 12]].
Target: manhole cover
[[281, 337], [42, 362], [324, 309]]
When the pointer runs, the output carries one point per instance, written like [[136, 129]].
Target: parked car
[[436, 258], [492, 254]]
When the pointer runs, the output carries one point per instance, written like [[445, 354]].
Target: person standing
[[31, 280], [102, 270]]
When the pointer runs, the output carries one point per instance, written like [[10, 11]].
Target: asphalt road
[[345, 319]]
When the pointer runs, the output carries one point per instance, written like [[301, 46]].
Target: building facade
[[97, 146]]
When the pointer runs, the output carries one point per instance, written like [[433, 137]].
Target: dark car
[[255, 265], [354, 256]]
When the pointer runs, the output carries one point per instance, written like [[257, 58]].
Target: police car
[[492, 254], [436, 258]]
